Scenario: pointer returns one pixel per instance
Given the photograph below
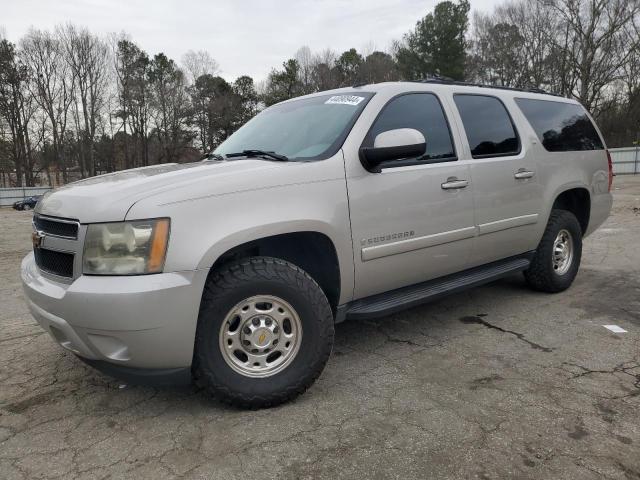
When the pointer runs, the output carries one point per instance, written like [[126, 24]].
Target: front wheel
[[265, 333], [557, 258]]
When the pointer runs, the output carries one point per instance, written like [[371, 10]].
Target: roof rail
[[449, 81]]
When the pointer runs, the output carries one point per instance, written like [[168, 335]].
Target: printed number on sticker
[[345, 99]]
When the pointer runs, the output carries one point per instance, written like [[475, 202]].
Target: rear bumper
[[137, 322], [600, 210]]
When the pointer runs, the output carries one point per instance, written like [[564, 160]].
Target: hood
[[107, 198]]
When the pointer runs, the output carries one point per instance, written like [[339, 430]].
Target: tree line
[[74, 104]]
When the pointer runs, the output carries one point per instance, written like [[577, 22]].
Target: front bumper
[[137, 322]]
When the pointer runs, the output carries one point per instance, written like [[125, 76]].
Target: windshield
[[307, 129]]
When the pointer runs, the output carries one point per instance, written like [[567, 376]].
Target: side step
[[406, 297]]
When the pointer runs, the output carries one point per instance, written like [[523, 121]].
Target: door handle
[[522, 174], [453, 183]]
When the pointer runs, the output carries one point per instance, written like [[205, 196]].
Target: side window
[[561, 127], [489, 128], [423, 112]]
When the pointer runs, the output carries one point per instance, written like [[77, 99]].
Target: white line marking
[[615, 328]]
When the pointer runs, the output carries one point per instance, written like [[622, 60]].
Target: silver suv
[[352, 203]]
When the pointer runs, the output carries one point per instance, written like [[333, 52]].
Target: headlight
[[126, 248]]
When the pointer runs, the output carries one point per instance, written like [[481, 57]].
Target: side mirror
[[393, 145]]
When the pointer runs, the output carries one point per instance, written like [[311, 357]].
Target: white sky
[[244, 36]]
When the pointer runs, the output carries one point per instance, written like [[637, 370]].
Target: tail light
[[610, 169]]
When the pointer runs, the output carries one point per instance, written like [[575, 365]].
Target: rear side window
[[489, 128], [561, 127], [423, 112]]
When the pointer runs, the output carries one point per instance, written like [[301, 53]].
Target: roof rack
[[449, 81]]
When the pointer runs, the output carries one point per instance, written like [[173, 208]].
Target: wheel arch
[[312, 250], [577, 200]]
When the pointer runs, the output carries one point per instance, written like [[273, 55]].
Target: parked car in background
[[28, 203], [348, 204]]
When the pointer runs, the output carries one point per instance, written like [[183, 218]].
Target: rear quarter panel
[[561, 171]]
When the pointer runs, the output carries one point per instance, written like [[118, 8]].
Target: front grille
[[57, 263], [67, 229]]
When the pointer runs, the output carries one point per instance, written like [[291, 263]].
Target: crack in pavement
[[480, 321], [620, 368], [34, 334]]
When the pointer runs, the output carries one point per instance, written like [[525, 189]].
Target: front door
[[414, 220]]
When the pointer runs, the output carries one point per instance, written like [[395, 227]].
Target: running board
[[407, 297]]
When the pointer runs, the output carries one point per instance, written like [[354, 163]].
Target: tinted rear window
[[489, 128], [561, 127]]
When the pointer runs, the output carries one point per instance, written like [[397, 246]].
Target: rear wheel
[[265, 333], [557, 258]]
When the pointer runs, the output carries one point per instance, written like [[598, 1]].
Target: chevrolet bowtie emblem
[[36, 239]]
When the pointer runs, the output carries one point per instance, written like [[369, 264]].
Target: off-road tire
[[261, 276], [540, 275]]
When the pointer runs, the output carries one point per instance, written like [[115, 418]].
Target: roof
[[441, 85]]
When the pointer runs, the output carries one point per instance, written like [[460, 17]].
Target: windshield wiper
[[259, 153]]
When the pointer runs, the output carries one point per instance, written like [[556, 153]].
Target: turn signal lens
[[158, 246]]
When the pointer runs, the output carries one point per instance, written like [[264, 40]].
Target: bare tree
[[514, 46], [306, 64], [496, 55], [198, 63], [630, 72], [325, 75], [51, 85], [87, 57], [534, 23], [594, 44]]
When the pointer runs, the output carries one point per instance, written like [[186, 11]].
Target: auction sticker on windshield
[[345, 99]]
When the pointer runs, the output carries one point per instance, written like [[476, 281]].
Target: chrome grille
[[57, 247], [56, 227]]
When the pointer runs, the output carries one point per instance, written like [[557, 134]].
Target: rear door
[[507, 195], [408, 223]]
